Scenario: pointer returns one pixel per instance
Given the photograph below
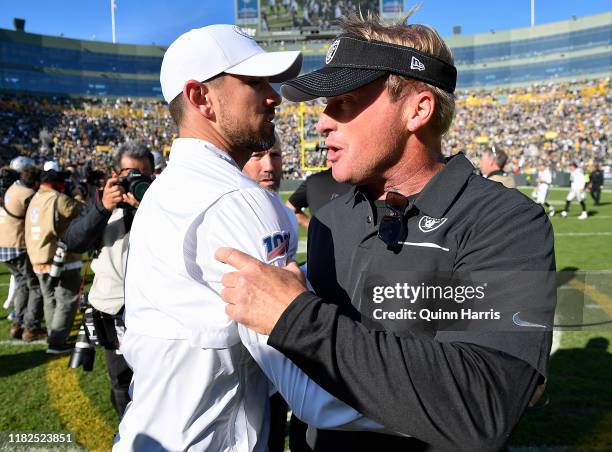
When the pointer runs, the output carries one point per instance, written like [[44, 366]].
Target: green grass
[[579, 409]]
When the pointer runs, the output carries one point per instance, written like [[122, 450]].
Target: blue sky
[[161, 21]]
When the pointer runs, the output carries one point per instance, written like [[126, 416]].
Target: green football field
[[39, 393]]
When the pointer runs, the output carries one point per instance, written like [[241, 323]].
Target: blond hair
[[419, 37]]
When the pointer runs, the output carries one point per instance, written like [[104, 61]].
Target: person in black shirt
[[413, 219], [596, 181], [316, 191]]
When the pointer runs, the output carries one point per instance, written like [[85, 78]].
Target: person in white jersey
[[543, 183], [200, 379], [577, 185]]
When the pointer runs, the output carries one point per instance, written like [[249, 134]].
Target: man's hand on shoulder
[[257, 294]]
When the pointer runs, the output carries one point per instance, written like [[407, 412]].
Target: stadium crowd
[[310, 13], [556, 123]]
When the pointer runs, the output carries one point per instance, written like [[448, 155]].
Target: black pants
[[120, 375], [596, 194]]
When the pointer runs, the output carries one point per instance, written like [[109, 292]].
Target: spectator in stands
[[78, 130]]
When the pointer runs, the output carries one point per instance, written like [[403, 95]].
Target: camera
[[84, 352], [97, 328], [58, 263], [135, 183]]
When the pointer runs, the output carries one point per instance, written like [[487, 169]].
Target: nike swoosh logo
[[424, 245], [520, 322]]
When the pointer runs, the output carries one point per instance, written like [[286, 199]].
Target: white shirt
[[545, 177], [294, 230], [196, 385], [577, 180], [106, 293]]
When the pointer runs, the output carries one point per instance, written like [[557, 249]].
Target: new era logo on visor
[[416, 64], [332, 51]]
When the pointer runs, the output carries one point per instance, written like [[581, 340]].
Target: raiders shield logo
[[332, 51], [428, 224]]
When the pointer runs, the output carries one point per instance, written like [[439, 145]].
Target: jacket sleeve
[[298, 198], [83, 232], [455, 394]]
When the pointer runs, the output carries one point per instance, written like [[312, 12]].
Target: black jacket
[[84, 232]]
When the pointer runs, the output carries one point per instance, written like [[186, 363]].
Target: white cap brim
[[278, 66], [50, 166]]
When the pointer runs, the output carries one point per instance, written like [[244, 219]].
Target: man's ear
[[419, 109], [198, 96], [114, 174]]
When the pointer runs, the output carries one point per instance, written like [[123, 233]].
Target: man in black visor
[[434, 288]]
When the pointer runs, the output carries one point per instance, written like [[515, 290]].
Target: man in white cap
[[196, 385]]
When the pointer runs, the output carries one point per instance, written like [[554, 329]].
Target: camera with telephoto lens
[[84, 353], [58, 263], [96, 329], [135, 183]]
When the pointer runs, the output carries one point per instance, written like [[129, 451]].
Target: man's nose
[[325, 124], [274, 99], [266, 164]]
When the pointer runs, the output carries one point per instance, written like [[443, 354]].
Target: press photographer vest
[[12, 216], [45, 222]]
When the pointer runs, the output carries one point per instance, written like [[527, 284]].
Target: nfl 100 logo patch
[[276, 245]]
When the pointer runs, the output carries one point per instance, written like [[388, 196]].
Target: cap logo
[[416, 64], [241, 32], [428, 224], [332, 51]]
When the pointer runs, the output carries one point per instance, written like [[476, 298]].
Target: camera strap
[[26, 204]]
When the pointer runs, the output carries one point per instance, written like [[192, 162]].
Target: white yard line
[[580, 234], [15, 342]]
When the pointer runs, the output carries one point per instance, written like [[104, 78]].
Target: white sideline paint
[[16, 342], [580, 234]]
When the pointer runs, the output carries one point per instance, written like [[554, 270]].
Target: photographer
[[105, 228], [13, 205], [59, 273]]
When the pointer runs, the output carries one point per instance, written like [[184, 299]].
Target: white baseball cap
[[50, 165], [19, 163], [202, 53]]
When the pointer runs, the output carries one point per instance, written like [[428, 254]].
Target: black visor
[[354, 62]]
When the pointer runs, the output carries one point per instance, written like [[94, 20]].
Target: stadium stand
[[541, 92]]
